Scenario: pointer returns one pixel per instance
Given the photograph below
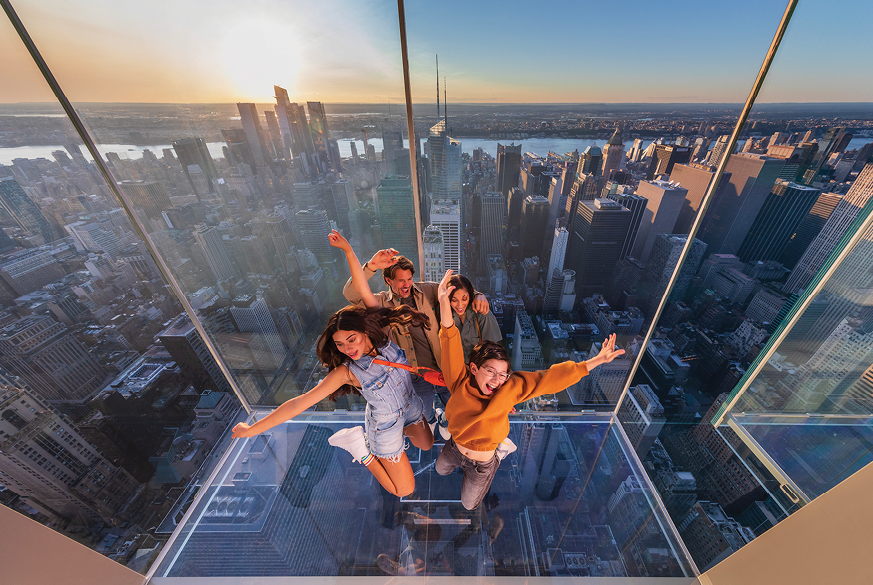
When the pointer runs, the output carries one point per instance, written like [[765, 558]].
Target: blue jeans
[[426, 391]]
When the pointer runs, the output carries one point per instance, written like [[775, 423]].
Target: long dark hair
[[372, 323]]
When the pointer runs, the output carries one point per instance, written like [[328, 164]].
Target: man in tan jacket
[[422, 346]]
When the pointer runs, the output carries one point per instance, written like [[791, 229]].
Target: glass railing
[[204, 287]]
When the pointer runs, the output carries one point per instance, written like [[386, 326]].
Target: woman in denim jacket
[[353, 339]]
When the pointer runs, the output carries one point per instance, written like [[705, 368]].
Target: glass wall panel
[[105, 417], [790, 193]]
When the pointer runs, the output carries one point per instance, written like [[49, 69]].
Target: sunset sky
[[344, 51]]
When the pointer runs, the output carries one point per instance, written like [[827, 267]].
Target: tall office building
[[527, 353], [534, 225], [255, 135], [313, 228], [712, 535], [834, 229], [184, 344], [665, 157], [54, 364], [642, 417], [445, 215], [432, 238], [319, 133], [809, 227], [149, 196], [613, 154], [251, 314], [238, 149], [559, 253], [396, 213], [492, 212], [53, 467], [637, 206], [444, 154], [695, 178], [295, 131], [213, 248], [783, 210], [514, 206], [26, 271], [719, 150], [730, 216], [508, 167], [193, 151], [590, 161], [665, 201], [597, 234], [23, 210], [661, 264], [832, 141]]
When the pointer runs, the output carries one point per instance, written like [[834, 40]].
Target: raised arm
[[288, 410], [452, 351], [380, 260], [359, 280]]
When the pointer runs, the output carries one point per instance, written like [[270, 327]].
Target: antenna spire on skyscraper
[[446, 105], [438, 86]]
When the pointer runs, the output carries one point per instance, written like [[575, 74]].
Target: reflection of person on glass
[[353, 339], [484, 394]]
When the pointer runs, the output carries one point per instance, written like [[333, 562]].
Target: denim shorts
[[385, 431]]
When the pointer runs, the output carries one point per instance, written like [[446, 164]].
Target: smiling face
[[401, 284], [352, 343], [490, 376], [460, 299]]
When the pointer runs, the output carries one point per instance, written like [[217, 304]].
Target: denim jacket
[[386, 389]]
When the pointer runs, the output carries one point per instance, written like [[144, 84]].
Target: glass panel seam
[[112, 184], [710, 191]]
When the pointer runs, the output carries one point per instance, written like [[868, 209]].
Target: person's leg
[[394, 476], [448, 460], [419, 434], [478, 476]]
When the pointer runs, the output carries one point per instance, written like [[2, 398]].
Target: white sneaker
[[505, 448], [352, 440], [444, 424]]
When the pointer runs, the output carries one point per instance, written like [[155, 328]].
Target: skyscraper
[[534, 225], [444, 154], [785, 207], [514, 206], [255, 135], [493, 216], [445, 215], [193, 151], [730, 216], [508, 167], [213, 248], [149, 196], [661, 264], [396, 213], [809, 227], [432, 238], [319, 132], [314, 227], [637, 206], [184, 344], [836, 226], [695, 178], [53, 467], [295, 131], [527, 353], [23, 210], [252, 315], [613, 154], [665, 201], [559, 253], [597, 234], [719, 150], [53, 363], [667, 155]]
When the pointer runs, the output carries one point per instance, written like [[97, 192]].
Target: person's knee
[[404, 489]]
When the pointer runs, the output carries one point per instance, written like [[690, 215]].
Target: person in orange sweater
[[484, 394]]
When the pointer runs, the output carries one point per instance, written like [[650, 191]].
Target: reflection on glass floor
[[816, 451], [567, 502]]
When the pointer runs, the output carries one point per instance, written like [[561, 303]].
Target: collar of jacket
[[416, 293]]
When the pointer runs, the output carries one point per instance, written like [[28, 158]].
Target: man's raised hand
[[383, 259]]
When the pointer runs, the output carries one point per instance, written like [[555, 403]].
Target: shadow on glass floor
[[568, 502]]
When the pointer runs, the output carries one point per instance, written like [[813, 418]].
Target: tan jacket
[[425, 294]]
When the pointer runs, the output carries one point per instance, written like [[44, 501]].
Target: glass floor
[[568, 502]]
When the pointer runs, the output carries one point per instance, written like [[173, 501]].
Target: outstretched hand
[[337, 240], [383, 259], [444, 291], [607, 351], [242, 430]]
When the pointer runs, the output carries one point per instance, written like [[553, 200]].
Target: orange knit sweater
[[480, 422]]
